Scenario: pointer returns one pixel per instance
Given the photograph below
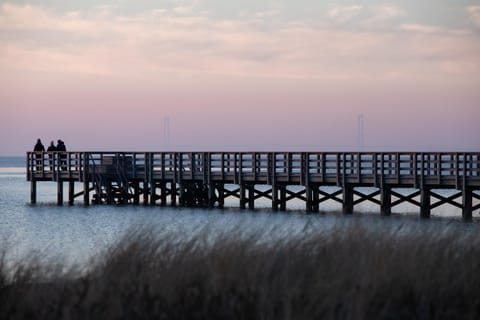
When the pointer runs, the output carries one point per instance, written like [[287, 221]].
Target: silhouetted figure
[[39, 149], [51, 149], [61, 148], [39, 146]]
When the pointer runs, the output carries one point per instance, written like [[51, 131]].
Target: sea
[[76, 234]]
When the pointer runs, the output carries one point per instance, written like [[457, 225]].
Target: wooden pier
[[206, 179]]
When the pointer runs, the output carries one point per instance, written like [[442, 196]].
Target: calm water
[[76, 233]]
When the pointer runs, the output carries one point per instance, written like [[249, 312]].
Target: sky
[[240, 75]]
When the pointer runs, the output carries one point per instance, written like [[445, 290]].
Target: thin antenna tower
[[166, 132], [361, 133]]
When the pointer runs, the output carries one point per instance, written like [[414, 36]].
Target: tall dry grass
[[351, 272]]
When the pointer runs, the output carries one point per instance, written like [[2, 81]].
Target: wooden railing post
[[86, 179], [152, 194]]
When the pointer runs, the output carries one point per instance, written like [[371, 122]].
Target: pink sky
[[101, 78]]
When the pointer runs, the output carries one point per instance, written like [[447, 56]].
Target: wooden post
[[221, 195], [347, 199], [308, 196], [145, 189], [181, 188], [386, 200], [251, 196], [283, 198], [274, 197], [425, 207], [108, 188], [147, 178], [315, 200], [163, 193], [467, 203], [33, 191], [60, 192], [273, 178], [71, 192], [306, 181], [153, 192], [86, 177], [207, 179], [173, 193], [211, 194], [136, 192], [242, 195], [86, 193]]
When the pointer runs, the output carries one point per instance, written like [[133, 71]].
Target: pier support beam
[[283, 198], [386, 200], [211, 194], [274, 197], [242, 196], [163, 193], [136, 192], [71, 192], [86, 193], [425, 207], [309, 197], [347, 199], [181, 197], [33, 191], [173, 192], [152, 192], [316, 200], [251, 197], [60, 192], [467, 203], [145, 192], [109, 193], [221, 195]]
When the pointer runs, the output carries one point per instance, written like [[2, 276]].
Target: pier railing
[[450, 169]]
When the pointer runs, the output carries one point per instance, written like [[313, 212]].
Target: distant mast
[[361, 133]]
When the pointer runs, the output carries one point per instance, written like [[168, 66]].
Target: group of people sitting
[[52, 147], [60, 147]]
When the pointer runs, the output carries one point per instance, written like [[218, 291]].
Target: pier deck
[[200, 178]]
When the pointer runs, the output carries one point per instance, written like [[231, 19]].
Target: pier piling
[[33, 191], [386, 200], [347, 207], [71, 192], [467, 205], [425, 208], [60, 192]]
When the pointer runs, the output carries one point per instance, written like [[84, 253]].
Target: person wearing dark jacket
[[61, 145], [51, 149], [39, 146], [39, 149], [63, 156]]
